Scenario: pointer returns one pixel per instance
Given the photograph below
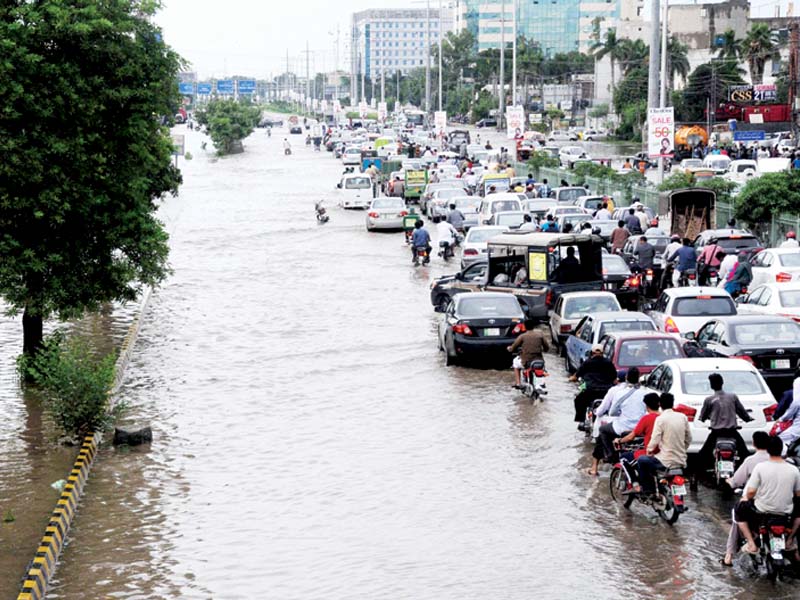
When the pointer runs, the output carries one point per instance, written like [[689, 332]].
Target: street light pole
[[428, 61], [514, 56], [502, 86], [440, 55], [662, 99]]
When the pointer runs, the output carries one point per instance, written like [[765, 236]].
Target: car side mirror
[[690, 336], [460, 276], [339, 185], [742, 299]]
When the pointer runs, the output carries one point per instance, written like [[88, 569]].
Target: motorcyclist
[[654, 230], [721, 409], [742, 276], [420, 238], [687, 260], [532, 345], [598, 373], [455, 217], [791, 240], [445, 233], [773, 488], [287, 147], [668, 445], [645, 253], [709, 258]]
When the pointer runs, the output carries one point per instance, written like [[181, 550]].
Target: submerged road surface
[[309, 442]]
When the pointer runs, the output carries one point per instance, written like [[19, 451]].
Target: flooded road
[[309, 442]]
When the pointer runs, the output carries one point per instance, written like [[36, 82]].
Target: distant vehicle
[[498, 203], [473, 248], [356, 190], [457, 138], [776, 265], [644, 350], [568, 195], [559, 135], [538, 207], [732, 241], [444, 289], [591, 135], [742, 170], [296, 129], [351, 156], [487, 122], [511, 219], [687, 165], [593, 203], [605, 227], [618, 278], [718, 163], [570, 155], [386, 213], [469, 207]]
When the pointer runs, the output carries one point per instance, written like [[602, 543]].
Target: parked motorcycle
[[669, 499], [420, 254], [322, 215]]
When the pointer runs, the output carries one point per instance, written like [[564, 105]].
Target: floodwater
[[310, 443]]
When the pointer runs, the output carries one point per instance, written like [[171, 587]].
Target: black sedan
[[295, 129], [618, 279], [487, 122], [771, 344], [480, 325]]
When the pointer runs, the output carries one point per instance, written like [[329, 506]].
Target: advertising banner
[[363, 109], [660, 132], [382, 111], [337, 107], [515, 122], [753, 93], [440, 122]]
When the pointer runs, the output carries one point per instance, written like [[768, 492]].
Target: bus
[[414, 118]]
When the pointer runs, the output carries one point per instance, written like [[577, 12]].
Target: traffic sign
[[186, 88], [203, 89], [247, 86], [225, 86], [754, 135]]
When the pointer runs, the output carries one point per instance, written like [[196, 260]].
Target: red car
[[643, 349]]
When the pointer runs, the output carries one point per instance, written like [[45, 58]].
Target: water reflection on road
[[309, 442]]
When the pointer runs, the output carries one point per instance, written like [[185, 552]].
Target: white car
[[571, 307], [569, 155], [474, 245], [386, 213], [356, 191], [718, 163], [593, 134], [771, 299], [557, 211], [776, 265], [687, 165], [742, 170], [351, 156], [496, 203], [559, 135], [687, 309], [687, 380]]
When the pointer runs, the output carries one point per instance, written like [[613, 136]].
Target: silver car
[[475, 243], [469, 207], [386, 213]]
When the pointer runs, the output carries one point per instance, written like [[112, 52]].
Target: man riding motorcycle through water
[[668, 446], [456, 218], [598, 374], [420, 238], [532, 345]]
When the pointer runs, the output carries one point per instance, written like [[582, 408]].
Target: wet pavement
[[310, 443]]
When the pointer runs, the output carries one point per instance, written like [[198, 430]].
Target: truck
[[688, 211], [415, 180]]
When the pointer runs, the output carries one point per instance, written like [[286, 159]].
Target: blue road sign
[[247, 86], [225, 86], [186, 88], [203, 89], [755, 135]]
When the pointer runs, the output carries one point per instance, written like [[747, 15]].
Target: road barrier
[[41, 569]]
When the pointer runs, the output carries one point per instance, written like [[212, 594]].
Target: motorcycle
[[771, 536], [669, 499], [688, 278], [322, 216], [724, 460], [420, 252], [446, 250], [532, 379], [287, 151]]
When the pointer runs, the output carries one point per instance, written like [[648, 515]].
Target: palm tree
[[635, 53], [677, 60], [757, 47], [730, 48], [611, 47]]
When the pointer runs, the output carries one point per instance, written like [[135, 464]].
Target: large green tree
[[228, 122], [709, 81], [612, 47], [731, 46], [84, 155], [758, 45]]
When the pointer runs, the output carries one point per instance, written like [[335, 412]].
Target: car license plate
[[491, 331], [725, 466], [608, 286], [781, 363], [678, 490], [777, 544]]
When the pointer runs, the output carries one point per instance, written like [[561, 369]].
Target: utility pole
[[794, 48], [662, 100], [383, 84], [440, 54], [514, 56], [308, 76], [502, 86], [655, 42], [428, 61], [288, 94]]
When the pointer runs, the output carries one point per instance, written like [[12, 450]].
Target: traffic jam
[[681, 337]]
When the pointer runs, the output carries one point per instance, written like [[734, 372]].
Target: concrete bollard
[[133, 435]]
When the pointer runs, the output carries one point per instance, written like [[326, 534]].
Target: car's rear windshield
[[741, 242], [741, 383], [449, 193], [790, 260], [614, 326], [570, 195], [476, 236], [703, 306], [358, 183], [468, 202], [767, 333], [388, 203], [790, 299], [660, 243], [647, 352], [505, 205], [510, 219], [614, 265], [489, 307], [578, 307]]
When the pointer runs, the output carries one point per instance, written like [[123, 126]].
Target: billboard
[[753, 93], [247, 86], [337, 107], [440, 122], [225, 86], [660, 132], [204, 89], [382, 111], [515, 122]]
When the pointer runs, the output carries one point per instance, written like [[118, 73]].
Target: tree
[[708, 81], [731, 47], [758, 46], [635, 54], [769, 195], [84, 158], [677, 60], [611, 47], [228, 122]]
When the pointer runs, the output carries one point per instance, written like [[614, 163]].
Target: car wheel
[[567, 366], [442, 302], [449, 361]]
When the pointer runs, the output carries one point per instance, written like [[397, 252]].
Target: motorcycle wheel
[[669, 512], [617, 484], [774, 571]]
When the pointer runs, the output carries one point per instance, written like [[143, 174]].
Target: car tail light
[[777, 529], [783, 277], [372, 215], [470, 252], [744, 357], [670, 327], [632, 281], [687, 410], [518, 328], [548, 299], [566, 328], [462, 329], [769, 412], [403, 213]]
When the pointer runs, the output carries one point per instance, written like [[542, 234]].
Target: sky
[[251, 37]]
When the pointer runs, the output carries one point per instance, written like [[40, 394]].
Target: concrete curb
[[43, 566]]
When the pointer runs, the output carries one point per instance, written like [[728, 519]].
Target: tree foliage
[[84, 156], [677, 181], [707, 82], [228, 122], [769, 195]]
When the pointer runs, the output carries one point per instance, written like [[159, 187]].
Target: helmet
[[675, 237], [654, 223], [790, 235]]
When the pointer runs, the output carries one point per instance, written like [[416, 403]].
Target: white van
[[356, 191]]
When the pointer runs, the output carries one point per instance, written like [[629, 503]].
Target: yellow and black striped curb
[[41, 568]]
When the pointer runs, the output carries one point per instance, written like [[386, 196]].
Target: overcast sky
[[250, 37]]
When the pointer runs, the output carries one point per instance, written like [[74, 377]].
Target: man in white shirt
[[603, 214]]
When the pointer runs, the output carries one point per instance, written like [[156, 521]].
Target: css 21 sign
[[660, 132]]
